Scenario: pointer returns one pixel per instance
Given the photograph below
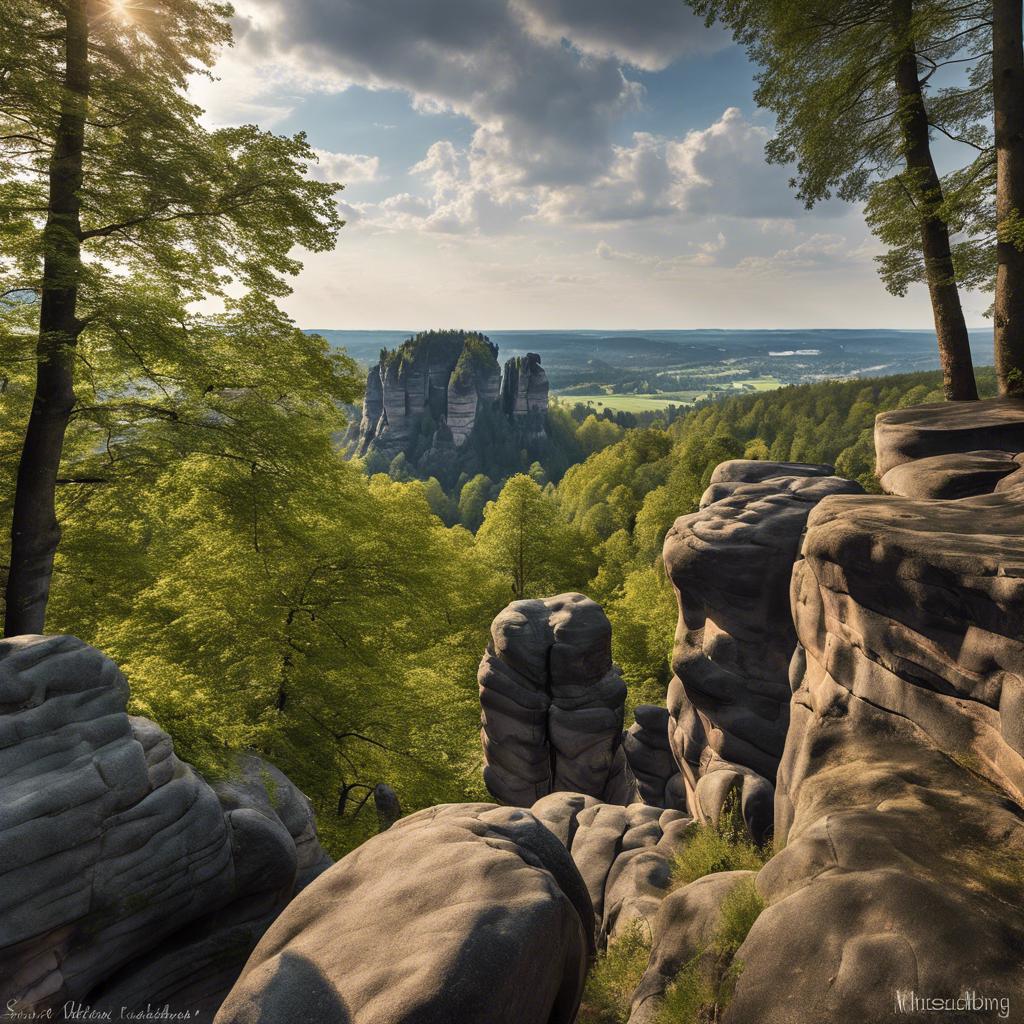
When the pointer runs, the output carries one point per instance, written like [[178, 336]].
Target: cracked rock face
[[730, 564], [899, 793], [124, 877], [552, 704], [483, 916], [438, 386]]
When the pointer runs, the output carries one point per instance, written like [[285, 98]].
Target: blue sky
[[544, 164]]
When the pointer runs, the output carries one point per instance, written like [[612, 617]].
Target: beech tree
[[527, 540], [118, 210], [847, 82]]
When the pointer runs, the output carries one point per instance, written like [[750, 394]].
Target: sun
[[120, 9]]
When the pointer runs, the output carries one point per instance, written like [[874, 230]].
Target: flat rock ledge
[[947, 428]]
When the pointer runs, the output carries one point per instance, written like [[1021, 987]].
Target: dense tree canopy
[[119, 211]]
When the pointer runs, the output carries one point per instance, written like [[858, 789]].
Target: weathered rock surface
[[552, 704], [426, 398], [483, 917], [650, 759], [524, 386], [124, 877], [624, 855], [899, 795], [945, 428], [730, 564], [960, 475]]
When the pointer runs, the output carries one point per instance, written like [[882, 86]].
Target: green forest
[[262, 593]]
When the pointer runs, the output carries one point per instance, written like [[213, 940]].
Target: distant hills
[[643, 370]]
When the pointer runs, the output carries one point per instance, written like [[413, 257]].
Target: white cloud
[[820, 251], [347, 168]]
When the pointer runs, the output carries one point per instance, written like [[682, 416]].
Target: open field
[[652, 403]]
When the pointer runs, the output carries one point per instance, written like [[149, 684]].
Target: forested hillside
[[262, 593]]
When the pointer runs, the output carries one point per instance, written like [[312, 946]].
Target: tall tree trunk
[[1008, 96], [950, 326], [35, 532]]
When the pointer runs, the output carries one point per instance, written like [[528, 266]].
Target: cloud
[[718, 171], [347, 168], [543, 110], [722, 168], [820, 251], [647, 34]]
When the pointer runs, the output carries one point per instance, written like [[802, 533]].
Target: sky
[[517, 164]]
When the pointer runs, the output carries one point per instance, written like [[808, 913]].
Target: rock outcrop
[[947, 428], [730, 564], [960, 475], [125, 878], [650, 758], [483, 916], [524, 387], [899, 795], [552, 704], [426, 399], [624, 855]]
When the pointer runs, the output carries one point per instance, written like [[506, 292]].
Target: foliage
[[703, 988], [259, 592], [708, 850], [525, 538], [828, 73], [614, 977]]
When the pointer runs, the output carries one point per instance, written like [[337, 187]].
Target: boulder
[[624, 855], [730, 564], [552, 704], [959, 475], [124, 877], [899, 794], [483, 918], [944, 428]]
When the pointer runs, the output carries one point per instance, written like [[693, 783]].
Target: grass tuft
[[614, 977]]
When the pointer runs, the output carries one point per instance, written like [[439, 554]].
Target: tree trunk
[[35, 532], [950, 326], [1008, 97]]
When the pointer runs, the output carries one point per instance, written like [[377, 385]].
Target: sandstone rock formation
[[426, 398], [552, 704], [483, 918], [960, 475], [624, 855], [899, 795], [524, 387], [650, 759], [730, 564], [124, 877], [946, 428]]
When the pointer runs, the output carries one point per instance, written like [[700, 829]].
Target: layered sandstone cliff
[[429, 396]]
